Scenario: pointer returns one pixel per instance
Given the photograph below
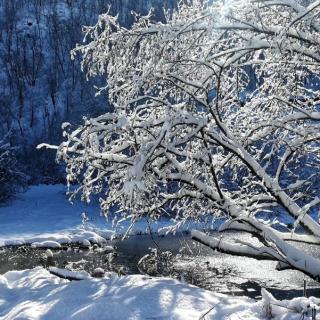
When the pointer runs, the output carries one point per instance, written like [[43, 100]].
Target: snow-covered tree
[[215, 113]]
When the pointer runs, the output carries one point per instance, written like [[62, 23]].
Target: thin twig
[[202, 317]]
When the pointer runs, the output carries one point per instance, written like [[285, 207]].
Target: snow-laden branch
[[215, 113], [237, 249], [242, 225]]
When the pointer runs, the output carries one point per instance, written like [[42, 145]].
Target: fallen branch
[[68, 274]]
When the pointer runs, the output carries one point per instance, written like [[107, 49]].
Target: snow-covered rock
[[104, 249], [46, 244], [49, 254], [86, 243], [98, 272]]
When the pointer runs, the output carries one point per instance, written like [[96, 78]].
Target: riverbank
[[44, 217]]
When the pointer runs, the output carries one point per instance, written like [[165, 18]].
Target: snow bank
[[43, 215], [36, 294]]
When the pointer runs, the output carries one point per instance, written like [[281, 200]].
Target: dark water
[[188, 261]]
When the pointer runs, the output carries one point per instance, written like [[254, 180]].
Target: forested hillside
[[41, 86]]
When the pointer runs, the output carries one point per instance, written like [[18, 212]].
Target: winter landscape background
[[159, 159], [41, 87]]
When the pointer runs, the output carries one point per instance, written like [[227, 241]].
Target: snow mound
[[46, 244], [37, 294]]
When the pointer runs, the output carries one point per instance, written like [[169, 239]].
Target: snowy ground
[[44, 217], [37, 294]]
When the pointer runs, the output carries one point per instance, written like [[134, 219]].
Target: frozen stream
[[190, 261]]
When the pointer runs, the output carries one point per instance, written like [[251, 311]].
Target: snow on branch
[[215, 112], [237, 249]]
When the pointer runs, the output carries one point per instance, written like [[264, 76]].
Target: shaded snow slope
[[45, 218]]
